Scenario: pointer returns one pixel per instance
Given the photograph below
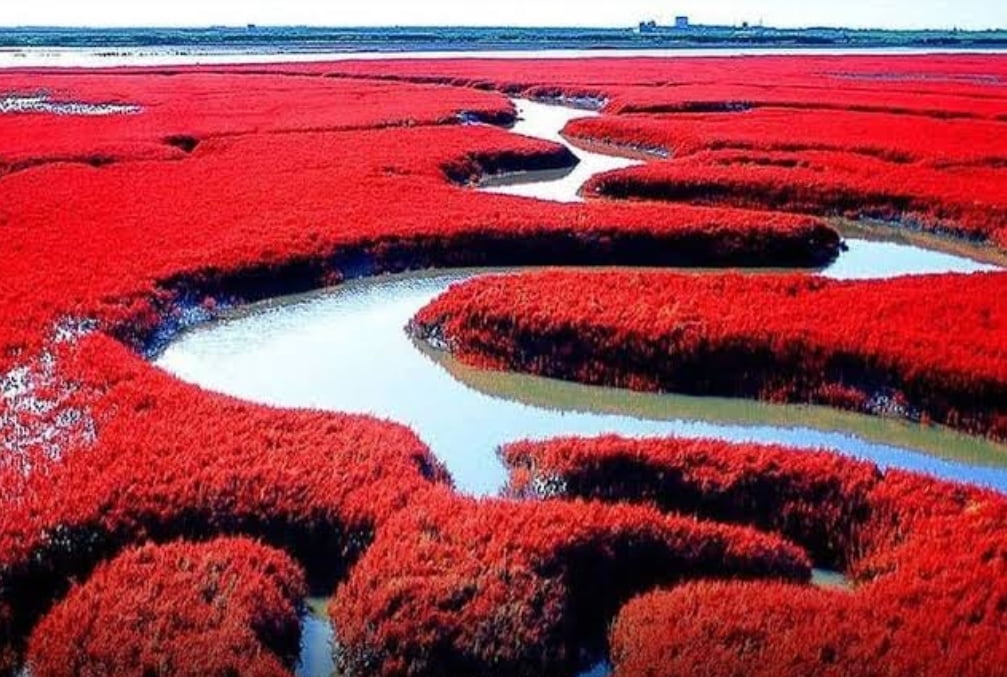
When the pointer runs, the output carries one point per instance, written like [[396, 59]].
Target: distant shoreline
[[300, 39], [42, 58]]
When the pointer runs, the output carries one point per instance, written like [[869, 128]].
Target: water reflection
[[872, 259], [344, 349], [545, 121], [316, 645]]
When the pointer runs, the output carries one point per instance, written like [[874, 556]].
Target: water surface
[[106, 57], [545, 121], [345, 349]]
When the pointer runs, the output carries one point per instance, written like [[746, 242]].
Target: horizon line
[[253, 24]]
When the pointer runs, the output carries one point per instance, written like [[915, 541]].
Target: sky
[[854, 13]]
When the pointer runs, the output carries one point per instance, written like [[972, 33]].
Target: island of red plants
[[871, 346], [925, 560], [227, 606], [150, 527], [457, 586]]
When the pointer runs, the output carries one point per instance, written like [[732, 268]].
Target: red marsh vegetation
[[127, 494]]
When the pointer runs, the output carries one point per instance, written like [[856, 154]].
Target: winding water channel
[[345, 349]]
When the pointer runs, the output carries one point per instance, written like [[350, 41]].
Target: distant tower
[[681, 22]]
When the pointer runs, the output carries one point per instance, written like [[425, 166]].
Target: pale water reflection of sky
[[345, 350], [545, 122]]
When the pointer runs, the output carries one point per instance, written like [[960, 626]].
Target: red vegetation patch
[[915, 140], [962, 201], [816, 499], [895, 138], [926, 557], [927, 133], [982, 78], [455, 586], [178, 112], [874, 346], [232, 184], [804, 93], [289, 212], [172, 461], [227, 607]]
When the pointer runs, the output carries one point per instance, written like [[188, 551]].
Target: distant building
[[681, 23]]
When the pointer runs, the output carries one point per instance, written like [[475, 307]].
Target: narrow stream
[[864, 258], [344, 349], [545, 121]]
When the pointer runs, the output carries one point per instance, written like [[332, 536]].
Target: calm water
[[107, 57], [344, 349], [545, 122], [871, 259]]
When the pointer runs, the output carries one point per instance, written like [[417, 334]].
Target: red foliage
[[227, 607], [125, 232], [172, 461], [964, 201], [978, 79], [778, 337], [802, 92], [456, 586], [917, 140], [815, 499], [235, 183], [898, 139], [927, 560], [179, 112]]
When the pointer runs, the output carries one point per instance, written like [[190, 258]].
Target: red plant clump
[[785, 338], [816, 499], [895, 138], [961, 201], [172, 461], [226, 607], [910, 140], [978, 77], [179, 112], [456, 586], [915, 141], [802, 93], [126, 232], [927, 559]]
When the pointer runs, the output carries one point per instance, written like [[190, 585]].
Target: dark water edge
[[414, 39]]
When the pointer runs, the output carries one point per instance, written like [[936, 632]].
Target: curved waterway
[[345, 349], [863, 259], [544, 121]]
